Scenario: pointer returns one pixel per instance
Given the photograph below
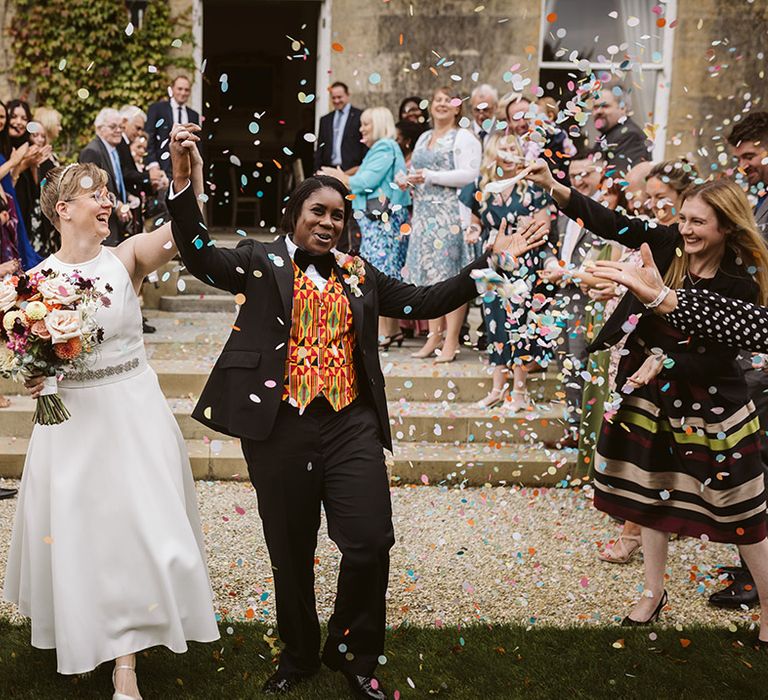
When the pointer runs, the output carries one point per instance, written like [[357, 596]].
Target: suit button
[[373, 381]]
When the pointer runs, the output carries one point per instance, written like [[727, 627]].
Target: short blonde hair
[[65, 183], [496, 141], [49, 118], [382, 121]]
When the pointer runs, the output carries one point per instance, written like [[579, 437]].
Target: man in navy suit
[[338, 142], [161, 117]]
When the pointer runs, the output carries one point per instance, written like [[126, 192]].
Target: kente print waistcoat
[[321, 344]]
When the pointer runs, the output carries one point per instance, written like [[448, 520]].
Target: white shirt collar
[[292, 247], [108, 146], [175, 105]]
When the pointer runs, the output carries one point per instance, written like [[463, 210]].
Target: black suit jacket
[[244, 391], [136, 181], [96, 152], [624, 145], [352, 149], [158, 128]]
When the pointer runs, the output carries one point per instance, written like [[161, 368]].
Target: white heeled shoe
[[122, 696]]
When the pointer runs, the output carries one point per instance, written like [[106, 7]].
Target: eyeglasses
[[98, 197], [113, 127]]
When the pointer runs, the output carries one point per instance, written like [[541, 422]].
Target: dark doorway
[[259, 55]]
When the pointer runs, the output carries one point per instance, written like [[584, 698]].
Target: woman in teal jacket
[[379, 205]]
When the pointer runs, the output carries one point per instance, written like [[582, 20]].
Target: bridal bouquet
[[47, 326]]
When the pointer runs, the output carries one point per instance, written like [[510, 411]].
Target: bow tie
[[323, 263]]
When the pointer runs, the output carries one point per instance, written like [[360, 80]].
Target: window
[[625, 42]]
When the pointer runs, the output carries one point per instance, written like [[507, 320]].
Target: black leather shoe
[[365, 686], [8, 493], [146, 327], [741, 591], [279, 683]]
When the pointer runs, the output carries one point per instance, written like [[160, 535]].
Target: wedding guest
[[12, 160], [104, 566], [379, 205], [338, 139], [515, 108], [411, 110], [648, 471], [137, 180], [558, 149], [406, 136], [666, 185], [576, 247], [161, 117], [316, 435], [638, 201], [19, 115], [622, 142], [513, 343], [749, 144], [339, 146], [50, 120], [483, 101], [102, 151], [6, 268], [445, 159]]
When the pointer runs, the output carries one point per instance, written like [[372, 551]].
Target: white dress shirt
[[175, 113], [317, 279]]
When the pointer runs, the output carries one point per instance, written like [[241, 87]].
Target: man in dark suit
[[339, 142], [103, 151], [622, 142], [161, 117], [300, 383]]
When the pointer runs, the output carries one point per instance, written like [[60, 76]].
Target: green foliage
[[63, 47]]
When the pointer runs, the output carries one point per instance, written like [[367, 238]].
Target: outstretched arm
[[400, 300], [611, 225], [700, 312]]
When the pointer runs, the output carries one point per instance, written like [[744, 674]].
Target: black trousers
[[337, 460]]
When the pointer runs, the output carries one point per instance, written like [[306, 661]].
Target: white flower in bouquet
[[35, 310], [63, 325], [58, 291], [7, 296]]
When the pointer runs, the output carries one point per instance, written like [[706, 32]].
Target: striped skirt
[[680, 456]]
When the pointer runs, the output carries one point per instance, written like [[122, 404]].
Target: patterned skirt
[[383, 245], [683, 456]]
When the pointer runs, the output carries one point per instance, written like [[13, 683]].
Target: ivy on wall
[[79, 56]]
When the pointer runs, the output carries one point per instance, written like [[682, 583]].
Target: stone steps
[[411, 421], [198, 302], [413, 463]]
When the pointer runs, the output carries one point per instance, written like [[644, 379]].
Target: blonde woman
[[512, 341], [50, 120], [107, 555], [682, 453], [445, 159], [379, 205]]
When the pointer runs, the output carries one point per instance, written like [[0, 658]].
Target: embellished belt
[[104, 375]]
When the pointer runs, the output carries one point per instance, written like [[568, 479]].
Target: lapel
[[109, 169], [283, 274], [761, 214], [355, 303]]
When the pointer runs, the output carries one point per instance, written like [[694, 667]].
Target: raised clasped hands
[[183, 141], [526, 237]]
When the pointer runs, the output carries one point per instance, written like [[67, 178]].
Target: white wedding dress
[[107, 552]]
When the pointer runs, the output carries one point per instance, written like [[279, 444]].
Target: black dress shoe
[[8, 493], [741, 591], [365, 686], [279, 683], [629, 622], [146, 327]]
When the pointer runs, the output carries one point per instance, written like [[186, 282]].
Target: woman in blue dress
[[379, 205], [514, 338], [11, 159], [446, 158]]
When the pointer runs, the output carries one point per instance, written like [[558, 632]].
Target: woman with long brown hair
[[682, 453]]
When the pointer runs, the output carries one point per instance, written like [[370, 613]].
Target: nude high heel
[[122, 696]]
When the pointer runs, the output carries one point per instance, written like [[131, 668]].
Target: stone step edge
[[224, 461]]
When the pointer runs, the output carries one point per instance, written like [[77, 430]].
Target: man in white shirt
[[161, 116], [484, 101]]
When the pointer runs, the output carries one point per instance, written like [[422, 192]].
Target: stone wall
[[488, 43], [6, 54]]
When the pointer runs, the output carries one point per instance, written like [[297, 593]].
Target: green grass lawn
[[473, 662]]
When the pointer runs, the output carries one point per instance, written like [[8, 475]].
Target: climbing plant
[[79, 56]]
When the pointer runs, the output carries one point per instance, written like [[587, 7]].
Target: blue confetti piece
[[198, 244], [665, 387]]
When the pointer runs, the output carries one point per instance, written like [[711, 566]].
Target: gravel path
[[487, 554]]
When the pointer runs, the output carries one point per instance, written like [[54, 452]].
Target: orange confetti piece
[[249, 614], [240, 299], [739, 531], [235, 328], [685, 643], [336, 46], [277, 165], [405, 229], [401, 39], [661, 22], [531, 550], [552, 17]]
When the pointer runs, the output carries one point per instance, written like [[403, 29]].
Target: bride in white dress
[[107, 552]]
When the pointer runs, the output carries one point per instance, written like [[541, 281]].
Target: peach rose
[[63, 325], [58, 291], [38, 328], [7, 296]]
